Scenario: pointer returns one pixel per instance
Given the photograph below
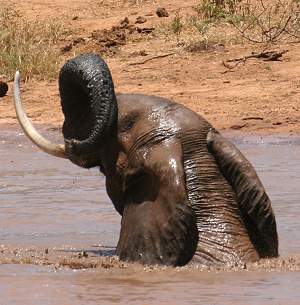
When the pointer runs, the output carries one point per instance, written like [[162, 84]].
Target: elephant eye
[[128, 122]]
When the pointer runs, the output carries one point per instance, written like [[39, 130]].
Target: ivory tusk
[[57, 150]]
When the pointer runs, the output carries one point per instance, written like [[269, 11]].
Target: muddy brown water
[[54, 214]]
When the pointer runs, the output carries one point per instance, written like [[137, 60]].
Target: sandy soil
[[259, 96]]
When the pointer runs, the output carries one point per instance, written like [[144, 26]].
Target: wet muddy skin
[[58, 232]]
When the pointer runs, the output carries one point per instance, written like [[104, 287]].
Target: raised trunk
[[88, 102]]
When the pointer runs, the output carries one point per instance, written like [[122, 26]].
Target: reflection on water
[[50, 202]]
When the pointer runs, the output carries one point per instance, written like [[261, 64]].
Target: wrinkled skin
[[195, 163], [182, 189]]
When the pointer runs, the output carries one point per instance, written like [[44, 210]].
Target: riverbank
[[257, 96]]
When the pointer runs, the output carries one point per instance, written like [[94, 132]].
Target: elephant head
[[183, 190]]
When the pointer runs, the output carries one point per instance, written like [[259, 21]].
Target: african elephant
[[183, 190]]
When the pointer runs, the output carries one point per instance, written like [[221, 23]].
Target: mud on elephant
[[182, 189]]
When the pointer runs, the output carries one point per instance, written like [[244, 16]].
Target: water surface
[[47, 202]]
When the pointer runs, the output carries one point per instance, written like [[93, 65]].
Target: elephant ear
[[254, 203]]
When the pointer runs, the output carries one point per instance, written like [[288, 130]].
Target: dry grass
[[33, 47], [235, 21], [122, 3], [268, 22], [30, 47]]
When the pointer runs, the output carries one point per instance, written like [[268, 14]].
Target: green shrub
[[176, 24]]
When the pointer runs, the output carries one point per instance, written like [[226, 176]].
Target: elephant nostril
[[71, 146], [86, 160]]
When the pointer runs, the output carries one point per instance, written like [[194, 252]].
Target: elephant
[[3, 88], [184, 192]]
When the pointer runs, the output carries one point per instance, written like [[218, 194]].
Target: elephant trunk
[[88, 102]]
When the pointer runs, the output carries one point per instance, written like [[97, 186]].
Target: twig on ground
[[151, 58], [253, 118], [265, 55]]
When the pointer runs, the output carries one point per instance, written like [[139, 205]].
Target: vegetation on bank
[[30, 47], [223, 22], [35, 47]]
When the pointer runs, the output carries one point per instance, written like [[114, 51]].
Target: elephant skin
[[184, 192]]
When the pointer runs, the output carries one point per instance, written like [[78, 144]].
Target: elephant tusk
[[57, 150]]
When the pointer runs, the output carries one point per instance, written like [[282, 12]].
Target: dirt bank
[[258, 96]]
